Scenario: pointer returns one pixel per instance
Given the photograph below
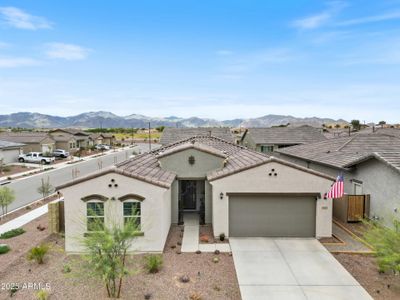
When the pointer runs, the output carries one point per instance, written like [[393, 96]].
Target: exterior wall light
[[221, 195]]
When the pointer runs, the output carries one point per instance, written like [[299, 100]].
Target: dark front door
[[188, 194]]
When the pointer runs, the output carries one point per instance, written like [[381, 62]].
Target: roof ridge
[[346, 143]]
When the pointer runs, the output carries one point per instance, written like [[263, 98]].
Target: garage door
[[275, 216]]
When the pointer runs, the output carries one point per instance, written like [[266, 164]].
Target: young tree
[[45, 188], [382, 123], [107, 250], [386, 242], [337, 126], [7, 196], [355, 124]]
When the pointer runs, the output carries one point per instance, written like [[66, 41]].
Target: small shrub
[[13, 290], [147, 296], [12, 233], [42, 295], [4, 248], [154, 263], [6, 169], [9, 178], [198, 252], [66, 269], [222, 237], [37, 253], [215, 260], [184, 279], [195, 296]]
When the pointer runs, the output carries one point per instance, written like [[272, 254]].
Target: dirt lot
[[15, 169], [365, 270], [207, 279]]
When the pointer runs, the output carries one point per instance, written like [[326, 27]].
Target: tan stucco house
[[239, 191], [9, 152], [33, 141]]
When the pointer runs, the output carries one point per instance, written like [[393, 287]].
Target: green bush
[[4, 248], [12, 233], [154, 263], [42, 294], [6, 169], [37, 253]]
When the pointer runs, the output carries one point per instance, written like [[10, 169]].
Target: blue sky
[[217, 59]]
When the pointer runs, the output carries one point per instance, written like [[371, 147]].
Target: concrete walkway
[[350, 243], [273, 268], [24, 219], [190, 241]]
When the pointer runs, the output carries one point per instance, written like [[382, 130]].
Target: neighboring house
[[172, 135], [82, 138], [9, 151], [242, 193], [369, 163], [267, 140], [66, 142], [103, 139], [34, 141]]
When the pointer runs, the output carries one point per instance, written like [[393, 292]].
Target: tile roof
[[342, 152], [172, 135], [24, 137], [286, 135], [146, 167], [6, 144], [95, 136], [390, 158], [63, 138]]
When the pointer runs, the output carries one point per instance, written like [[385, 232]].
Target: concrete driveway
[[278, 268]]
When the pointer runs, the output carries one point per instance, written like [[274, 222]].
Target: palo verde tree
[[7, 196], [45, 188], [355, 124], [386, 242], [107, 251]]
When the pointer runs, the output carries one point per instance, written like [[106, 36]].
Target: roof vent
[[193, 141]]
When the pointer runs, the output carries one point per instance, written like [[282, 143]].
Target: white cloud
[[15, 62], [320, 19], [224, 52], [371, 19], [20, 19], [66, 51]]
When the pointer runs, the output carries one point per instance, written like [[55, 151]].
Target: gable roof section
[[173, 135], [25, 137], [192, 145], [392, 159], [10, 145], [343, 152], [285, 135]]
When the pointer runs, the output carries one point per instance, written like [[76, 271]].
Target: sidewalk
[[190, 241], [24, 219]]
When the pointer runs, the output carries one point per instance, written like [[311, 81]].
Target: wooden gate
[[355, 208]]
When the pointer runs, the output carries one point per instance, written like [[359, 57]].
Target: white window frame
[[95, 216], [139, 216]]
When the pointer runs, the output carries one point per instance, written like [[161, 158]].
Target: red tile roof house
[[239, 191]]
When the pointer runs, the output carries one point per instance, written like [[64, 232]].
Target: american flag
[[337, 189]]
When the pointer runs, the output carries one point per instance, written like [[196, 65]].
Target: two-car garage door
[[272, 215]]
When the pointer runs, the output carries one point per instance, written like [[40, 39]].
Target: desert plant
[[13, 291], [4, 248], [12, 233], [386, 242], [195, 296], [42, 294], [7, 196], [45, 188], [38, 253], [66, 269], [154, 263], [222, 237], [107, 248]]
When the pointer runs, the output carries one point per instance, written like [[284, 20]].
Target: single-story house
[[239, 191], [267, 140], [66, 142], [9, 151], [369, 163], [102, 138], [33, 141], [172, 135], [82, 138]]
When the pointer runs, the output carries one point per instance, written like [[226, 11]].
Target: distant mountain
[[108, 119]]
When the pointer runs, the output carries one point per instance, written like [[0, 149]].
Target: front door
[[188, 194]]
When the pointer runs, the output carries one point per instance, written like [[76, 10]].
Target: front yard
[[207, 279]]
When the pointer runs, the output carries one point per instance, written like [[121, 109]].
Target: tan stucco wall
[[156, 210], [204, 163], [9, 156], [257, 180]]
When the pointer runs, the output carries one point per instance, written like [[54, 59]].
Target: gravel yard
[[365, 270], [208, 280]]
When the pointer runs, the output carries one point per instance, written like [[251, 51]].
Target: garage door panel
[[272, 216]]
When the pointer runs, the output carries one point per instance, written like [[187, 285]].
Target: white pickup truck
[[35, 157]]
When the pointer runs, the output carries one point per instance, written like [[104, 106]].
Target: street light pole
[[149, 138]]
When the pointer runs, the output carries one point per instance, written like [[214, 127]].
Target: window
[[95, 216], [266, 149], [132, 212], [357, 188]]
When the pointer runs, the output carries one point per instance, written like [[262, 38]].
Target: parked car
[[102, 147], [35, 157], [60, 153]]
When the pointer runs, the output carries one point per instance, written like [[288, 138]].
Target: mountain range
[[107, 119]]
